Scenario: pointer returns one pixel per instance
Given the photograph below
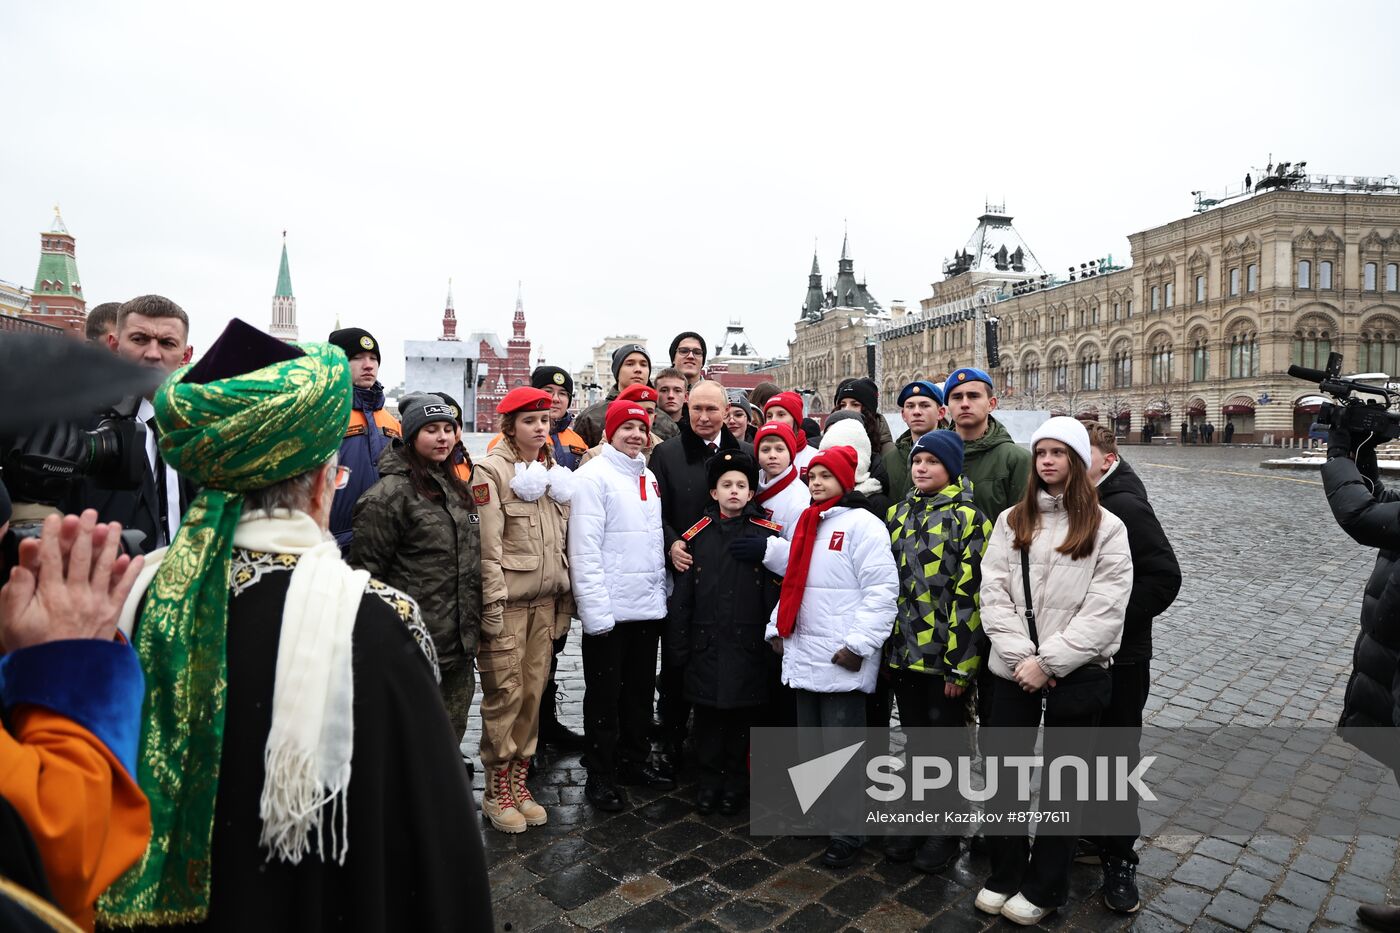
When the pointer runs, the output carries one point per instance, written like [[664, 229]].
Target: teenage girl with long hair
[[523, 497], [1080, 575]]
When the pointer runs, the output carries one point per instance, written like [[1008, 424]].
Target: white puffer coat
[[852, 585], [785, 507], [616, 558], [1079, 604]]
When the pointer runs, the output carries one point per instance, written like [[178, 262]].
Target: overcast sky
[[641, 168]]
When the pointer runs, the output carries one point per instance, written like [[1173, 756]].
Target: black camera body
[[42, 467], [1369, 419]]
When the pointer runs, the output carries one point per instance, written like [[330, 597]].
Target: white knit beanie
[[1069, 430], [850, 432]]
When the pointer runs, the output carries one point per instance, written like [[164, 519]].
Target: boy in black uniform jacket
[[720, 608]]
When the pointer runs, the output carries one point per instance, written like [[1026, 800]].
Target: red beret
[[637, 393], [524, 398]]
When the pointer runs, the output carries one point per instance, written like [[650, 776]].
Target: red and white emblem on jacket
[[656, 488], [838, 539], [769, 513]]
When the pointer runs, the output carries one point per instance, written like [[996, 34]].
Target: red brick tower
[[518, 348], [58, 293]]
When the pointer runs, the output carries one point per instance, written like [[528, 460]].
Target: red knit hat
[[841, 461], [790, 402], [781, 431], [623, 410], [641, 392], [524, 398]]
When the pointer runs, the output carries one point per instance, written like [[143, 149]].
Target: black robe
[[415, 859]]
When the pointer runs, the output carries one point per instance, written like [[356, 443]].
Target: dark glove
[[1339, 442], [749, 549]]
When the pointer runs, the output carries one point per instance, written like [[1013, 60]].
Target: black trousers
[[619, 670], [1132, 682], [672, 705], [923, 705], [721, 738], [549, 705], [1044, 879]]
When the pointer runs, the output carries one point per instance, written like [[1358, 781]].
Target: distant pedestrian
[[1229, 431], [1185, 432]]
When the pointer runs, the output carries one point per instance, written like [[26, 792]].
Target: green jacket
[[430, 550], [999, 469], [938, 542], [897, 466]]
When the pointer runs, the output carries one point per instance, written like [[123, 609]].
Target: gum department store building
[[1202, 326]]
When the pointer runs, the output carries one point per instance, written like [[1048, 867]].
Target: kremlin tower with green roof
[[284, 303], [58, 292]]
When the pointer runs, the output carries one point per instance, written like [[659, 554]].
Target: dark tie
[[162, 492]]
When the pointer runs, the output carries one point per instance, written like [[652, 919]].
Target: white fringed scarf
[[311, 741]]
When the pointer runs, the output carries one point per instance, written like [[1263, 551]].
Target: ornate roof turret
[[284, 303], [815, 301], [449, 317]]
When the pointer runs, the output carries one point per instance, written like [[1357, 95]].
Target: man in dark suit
[[151, 331]]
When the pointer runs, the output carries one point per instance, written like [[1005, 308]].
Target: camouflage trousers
[[514, 668], [458, 686]]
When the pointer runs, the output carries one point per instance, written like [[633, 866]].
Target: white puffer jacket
[[616, 554], [803, 459], [786, 507], [849, 601], [1079, 604]]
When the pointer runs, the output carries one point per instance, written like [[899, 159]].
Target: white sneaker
[[990, 902], [1019, 910]]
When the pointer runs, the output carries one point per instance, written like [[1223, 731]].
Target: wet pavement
[[1261, 635]]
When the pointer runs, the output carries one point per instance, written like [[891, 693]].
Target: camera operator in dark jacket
[[1370, 514], [1156, 582]]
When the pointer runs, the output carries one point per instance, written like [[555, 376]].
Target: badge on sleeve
[[696, 528], [481, 493], [838, 539], [772, 525]]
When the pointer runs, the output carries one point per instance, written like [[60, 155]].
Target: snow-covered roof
[[734, 343], [996, 247]]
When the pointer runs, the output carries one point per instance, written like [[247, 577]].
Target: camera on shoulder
[[1367, 419]]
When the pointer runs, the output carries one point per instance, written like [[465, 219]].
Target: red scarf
[[804, 539], [783, 482]]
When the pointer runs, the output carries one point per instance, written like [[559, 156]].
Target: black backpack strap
[[1030, 608]]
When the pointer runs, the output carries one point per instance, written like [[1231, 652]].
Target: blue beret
[[965, 375], [920, 387]]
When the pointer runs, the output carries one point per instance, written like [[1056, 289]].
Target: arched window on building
[[1368, 277], [1324, 274], [1244, 351], [1088, 369], [1392, 273], [1030, 375], [1059, 371], [1380, 350], [1123, 365], [1312, 342], [1160, 361], [1304, 274], [1199, 360]]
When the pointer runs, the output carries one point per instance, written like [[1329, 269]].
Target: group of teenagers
[[781, 575]]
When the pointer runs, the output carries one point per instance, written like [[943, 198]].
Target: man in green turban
[[288, 741]]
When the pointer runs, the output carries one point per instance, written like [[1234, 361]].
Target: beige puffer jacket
[[523, 544], [1079, 604]]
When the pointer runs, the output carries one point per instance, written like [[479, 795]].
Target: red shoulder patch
[[481, 493], [766, 523], [696, 528]]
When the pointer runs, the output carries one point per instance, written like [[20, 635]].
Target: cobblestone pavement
[[1261, 634]]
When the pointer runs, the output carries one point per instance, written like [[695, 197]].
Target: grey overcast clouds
[[642, 168]]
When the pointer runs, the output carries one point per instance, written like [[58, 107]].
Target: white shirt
[[146, 412]]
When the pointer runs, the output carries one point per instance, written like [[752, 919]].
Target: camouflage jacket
[[938, 542], [430, 550]]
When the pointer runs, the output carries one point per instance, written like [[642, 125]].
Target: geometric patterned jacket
[[938, 541]]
